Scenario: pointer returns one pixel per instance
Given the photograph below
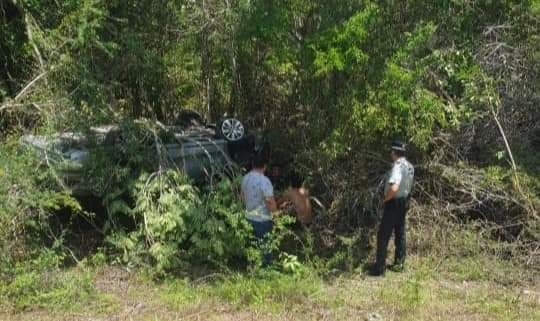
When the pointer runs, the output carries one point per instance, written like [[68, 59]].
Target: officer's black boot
[[376, 270]]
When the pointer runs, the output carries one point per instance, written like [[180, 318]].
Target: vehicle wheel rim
[[232, 129]]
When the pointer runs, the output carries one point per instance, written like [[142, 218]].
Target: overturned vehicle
[[202, 151]]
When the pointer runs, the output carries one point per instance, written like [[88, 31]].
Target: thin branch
[[29, 23], [30, 84], [22, 92], [507, 145], [529, 206]]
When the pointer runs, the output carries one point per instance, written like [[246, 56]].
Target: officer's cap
[[398, 145]]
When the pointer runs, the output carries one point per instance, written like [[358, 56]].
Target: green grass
[[468, 282], [262, 291], [42, 284], [406, 295], [427, 290], [475, 288]]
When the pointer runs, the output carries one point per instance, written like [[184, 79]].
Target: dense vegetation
[[332, 81]]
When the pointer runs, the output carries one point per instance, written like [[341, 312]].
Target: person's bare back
[[299, 198]]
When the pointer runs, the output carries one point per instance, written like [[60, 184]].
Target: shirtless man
[[296, 198]]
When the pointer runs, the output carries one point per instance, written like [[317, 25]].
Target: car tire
[[231, 129]]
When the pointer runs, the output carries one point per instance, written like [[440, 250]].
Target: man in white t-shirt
[[258, 196], [397, 190]]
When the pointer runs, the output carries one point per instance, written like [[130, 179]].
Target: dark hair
[[296, 180], [399, 153], [259, 160]]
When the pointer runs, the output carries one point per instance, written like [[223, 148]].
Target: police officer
[[397, 190]]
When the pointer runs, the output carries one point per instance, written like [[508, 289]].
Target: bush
[[29, 196], [221, 233], [177, 225]]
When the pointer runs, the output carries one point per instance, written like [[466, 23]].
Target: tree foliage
[[456, 79]]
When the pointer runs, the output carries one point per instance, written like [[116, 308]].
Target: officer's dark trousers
[[393, 220]]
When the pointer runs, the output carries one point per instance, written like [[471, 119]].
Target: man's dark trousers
[[393, 220], [262, 229]]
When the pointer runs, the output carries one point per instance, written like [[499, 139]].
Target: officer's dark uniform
[[393, 219]]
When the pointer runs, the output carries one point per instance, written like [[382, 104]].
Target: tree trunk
[[206, 61]]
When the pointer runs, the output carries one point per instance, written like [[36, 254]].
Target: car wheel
[[232, 129]]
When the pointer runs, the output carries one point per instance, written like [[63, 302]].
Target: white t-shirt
[[256, 188]]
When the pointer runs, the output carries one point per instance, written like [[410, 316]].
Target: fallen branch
[[22, 92], [29, 85]]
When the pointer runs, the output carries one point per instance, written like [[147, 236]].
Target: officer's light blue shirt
[[402, 174]]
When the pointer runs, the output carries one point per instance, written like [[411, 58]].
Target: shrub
[[220, 230], [164, 202], [178, 225], [29, 195]]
